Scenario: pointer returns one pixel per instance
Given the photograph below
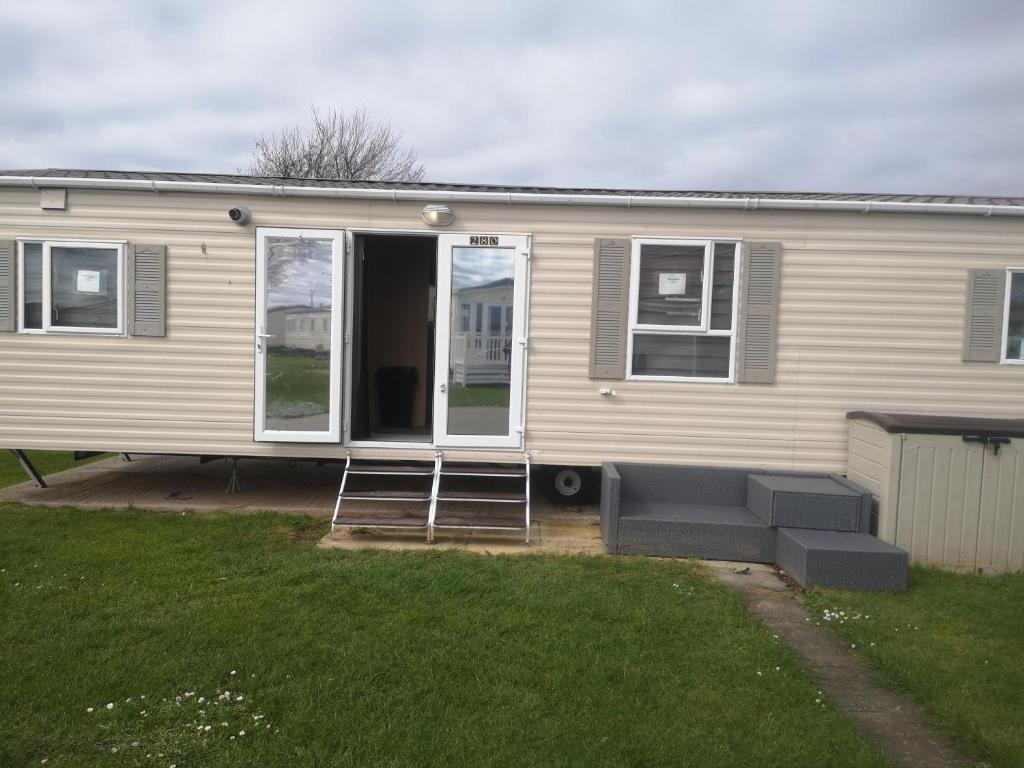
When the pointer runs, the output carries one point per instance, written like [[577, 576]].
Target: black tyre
[[567, 485]]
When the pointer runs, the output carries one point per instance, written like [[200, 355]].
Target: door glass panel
[[480, 361], [298, 324]]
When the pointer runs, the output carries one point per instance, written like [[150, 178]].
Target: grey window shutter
[[983, 318], [758, 313], [147, 290], [8, 285], [610, 305]]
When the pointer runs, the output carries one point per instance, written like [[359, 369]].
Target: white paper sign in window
[[672, 283], [89, 281]]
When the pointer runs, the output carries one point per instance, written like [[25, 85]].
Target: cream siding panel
[[1001, 524], [873, 463], [871, 317], [939, 495]]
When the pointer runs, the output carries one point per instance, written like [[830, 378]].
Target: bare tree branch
[[337, 146]]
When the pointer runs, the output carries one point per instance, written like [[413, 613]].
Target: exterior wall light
[[437, 215]]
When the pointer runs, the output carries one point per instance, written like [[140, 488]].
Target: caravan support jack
[[29, 469]]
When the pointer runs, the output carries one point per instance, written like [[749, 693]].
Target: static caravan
[[497, 327]]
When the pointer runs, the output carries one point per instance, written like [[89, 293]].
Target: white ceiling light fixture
[[437, 215]]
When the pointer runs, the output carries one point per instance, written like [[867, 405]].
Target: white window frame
[[47, 275], [703, 329], [21, 286], [1010, 272]]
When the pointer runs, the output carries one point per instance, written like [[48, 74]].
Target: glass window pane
[[299, 312], [32, 280], [671, 285], [721, 286], [1015, 320], [480, 363], [84, 287], [689, 356]]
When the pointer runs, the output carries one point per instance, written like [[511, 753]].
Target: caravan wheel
[[567, 485]]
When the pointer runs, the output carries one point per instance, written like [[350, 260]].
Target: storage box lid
[[924, 424]]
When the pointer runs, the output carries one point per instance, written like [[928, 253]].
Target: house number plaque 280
[[483, 239]]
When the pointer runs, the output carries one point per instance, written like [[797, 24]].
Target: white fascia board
[[509, 198]]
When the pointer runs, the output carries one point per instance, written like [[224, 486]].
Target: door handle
[[259, 340], [997, 443], [443, 387]]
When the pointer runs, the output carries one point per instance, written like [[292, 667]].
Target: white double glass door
[[481, 340], [299, 274]]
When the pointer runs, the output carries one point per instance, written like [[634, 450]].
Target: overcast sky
[[893, 96]]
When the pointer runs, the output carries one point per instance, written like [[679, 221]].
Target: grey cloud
[[868, 96]]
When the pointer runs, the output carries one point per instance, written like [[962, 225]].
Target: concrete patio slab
[[290, 487], [579, 536]]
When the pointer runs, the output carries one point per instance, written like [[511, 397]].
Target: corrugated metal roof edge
[[441, 193]]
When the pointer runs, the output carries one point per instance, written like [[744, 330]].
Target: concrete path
[[882, 715]]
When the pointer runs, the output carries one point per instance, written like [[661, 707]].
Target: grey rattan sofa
[[739, 514]]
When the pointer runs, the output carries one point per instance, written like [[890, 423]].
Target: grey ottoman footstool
[[805, 502], [840, 559]]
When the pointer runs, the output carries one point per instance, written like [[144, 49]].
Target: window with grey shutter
[[983, 318], [610, 305], [8, 285], [147, 290], [759, 302]]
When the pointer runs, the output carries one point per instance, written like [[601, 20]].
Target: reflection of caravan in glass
[[482, 334], [299, 328]]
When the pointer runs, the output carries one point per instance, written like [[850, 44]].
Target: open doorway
[[394, 309]]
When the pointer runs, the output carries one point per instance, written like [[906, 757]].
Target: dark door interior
[[394, 297]]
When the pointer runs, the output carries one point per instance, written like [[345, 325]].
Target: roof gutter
[[508, 198]]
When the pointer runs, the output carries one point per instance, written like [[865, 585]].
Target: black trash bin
[[396, 390]]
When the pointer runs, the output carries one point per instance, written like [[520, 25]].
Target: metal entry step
[[361, 519], [432, 517], [483, 471], [385, 496], [483, 496], [391, 469]]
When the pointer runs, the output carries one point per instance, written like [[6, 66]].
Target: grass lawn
[[181, 631], [478, 396], [45, 462], [955, 643], [297, 380]]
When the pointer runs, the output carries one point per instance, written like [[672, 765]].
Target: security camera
[[240, 216]]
